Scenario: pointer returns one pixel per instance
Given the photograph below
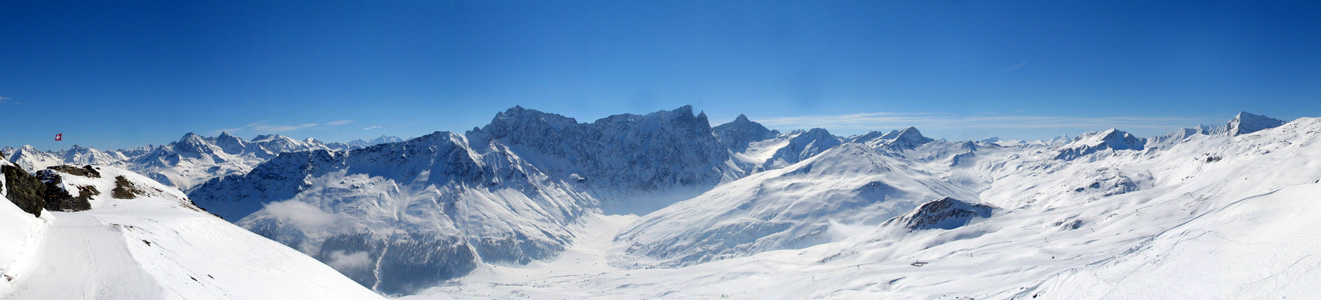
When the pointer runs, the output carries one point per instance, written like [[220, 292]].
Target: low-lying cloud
[[879, 121], [348, 263], [262, 127], [300, 214]]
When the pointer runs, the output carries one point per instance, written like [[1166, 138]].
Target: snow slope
[[788, 208], [153, 245]]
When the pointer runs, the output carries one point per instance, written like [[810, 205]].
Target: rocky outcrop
[[25, 191], [943, 213]]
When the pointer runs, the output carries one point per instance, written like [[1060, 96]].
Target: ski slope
[[156, 245]]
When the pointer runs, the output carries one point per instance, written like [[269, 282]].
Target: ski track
[[84, 259]]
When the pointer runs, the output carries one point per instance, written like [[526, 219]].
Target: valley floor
[[1260, 246]]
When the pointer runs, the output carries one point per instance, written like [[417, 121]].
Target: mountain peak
[[910, 136], [739, 133], [1113, 139], [1245, 123], [189, 136]]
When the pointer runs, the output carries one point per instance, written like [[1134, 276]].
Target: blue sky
[[114, 75]]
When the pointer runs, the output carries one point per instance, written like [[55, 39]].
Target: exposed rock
[[125, 189], [738, 134], [943, 213], [59, 199], [26, 191], [85, 171]]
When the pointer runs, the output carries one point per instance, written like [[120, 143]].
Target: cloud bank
[[262, 127], [879, 121]]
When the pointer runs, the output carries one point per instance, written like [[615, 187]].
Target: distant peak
[[190, 137], [1245, 123], [742, 118]]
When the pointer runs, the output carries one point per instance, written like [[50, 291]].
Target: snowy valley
[[665, 205]]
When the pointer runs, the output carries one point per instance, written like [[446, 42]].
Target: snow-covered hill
[[789, 208], [139, 239]]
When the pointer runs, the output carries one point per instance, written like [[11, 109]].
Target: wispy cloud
[[7, 100], [372, 127], [1015, 67], [262, 127], [879, 121]]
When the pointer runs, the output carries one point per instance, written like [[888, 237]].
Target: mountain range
[[664, 205]]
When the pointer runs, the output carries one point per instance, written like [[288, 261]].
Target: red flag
[[59, 137]]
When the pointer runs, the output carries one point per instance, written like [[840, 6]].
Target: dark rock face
[[85, 171], [25, 190], [418, 261], [125, 189], [943, 213], [631, 152], [59, 199], [738, 134]]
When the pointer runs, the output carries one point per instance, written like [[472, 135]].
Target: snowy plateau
[[665, 206]]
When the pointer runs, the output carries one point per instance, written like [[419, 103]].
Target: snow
[[662, 205], [1209, 216], [1245, 123], [443, 204], [156, 246]]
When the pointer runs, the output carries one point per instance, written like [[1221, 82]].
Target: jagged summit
[[1245, 123], [739, 133]]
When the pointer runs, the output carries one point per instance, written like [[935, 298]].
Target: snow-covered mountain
[[1245, 123], [1088, 143], [181, 164], [1209, 215], [737, 134], [785, 150], [400, 217], [631, 163], [538, 205], [135, 238]]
